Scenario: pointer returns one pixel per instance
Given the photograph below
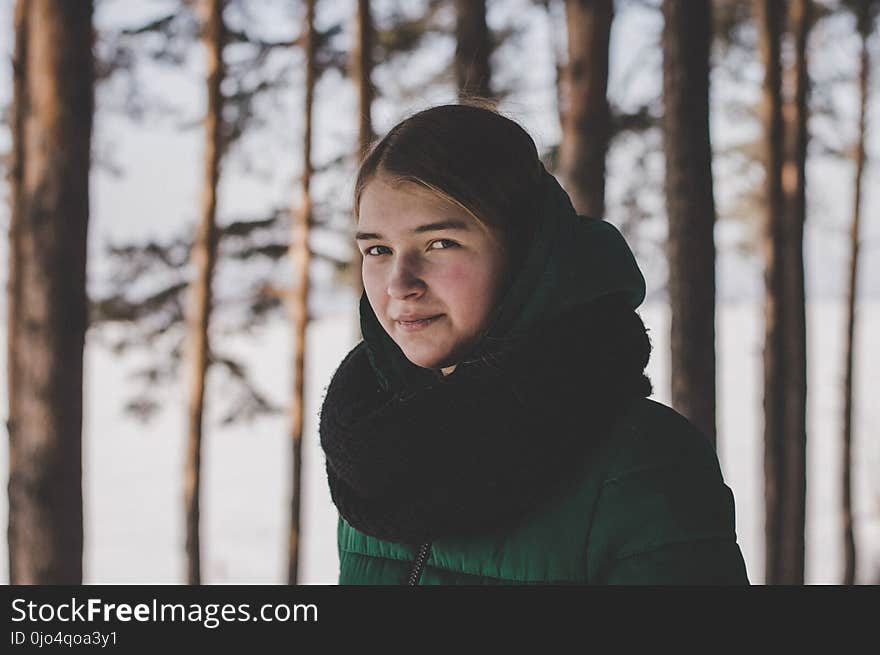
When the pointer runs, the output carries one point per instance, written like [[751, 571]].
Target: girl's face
[[432, 273]]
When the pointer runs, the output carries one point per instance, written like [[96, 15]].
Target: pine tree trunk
[[47, 304], [473, 48], [204, 254], [13, 293], [794, 328], [362, 67], [300, 255], [559, 65], [849, 544], [690, 207], [769, 19], [586, 124]]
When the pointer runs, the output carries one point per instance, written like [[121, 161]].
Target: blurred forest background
[[182, 277]]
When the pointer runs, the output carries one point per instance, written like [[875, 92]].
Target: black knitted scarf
[[480, 449]]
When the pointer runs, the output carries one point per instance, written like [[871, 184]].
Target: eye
[[371, 254], [452, 244]]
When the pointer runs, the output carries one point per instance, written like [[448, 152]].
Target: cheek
[[374, 286], [456, 275], [469, 288], [370, 277]]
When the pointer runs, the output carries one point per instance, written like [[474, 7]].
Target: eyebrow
[[452, 224]]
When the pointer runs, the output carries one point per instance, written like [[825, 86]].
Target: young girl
[[493, 426]]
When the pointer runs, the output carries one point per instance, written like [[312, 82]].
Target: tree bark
[[794, 327], [769, 18], [472, 51], [586, 121], [47, 303], [362, 70], [690, 207], [849, 544], [204, 255], [300, 255], [13, 288], [559, 65], [362, 67]]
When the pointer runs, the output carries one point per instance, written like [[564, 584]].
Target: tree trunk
[[47, 304], [794, 332], [559, 78], [769, 18], [300, 255], [849, 544], [13, 289], [586, 121], [472, 50], [362, 67], [690, 207], [204, 254]]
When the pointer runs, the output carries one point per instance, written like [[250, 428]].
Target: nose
[[404, 279]]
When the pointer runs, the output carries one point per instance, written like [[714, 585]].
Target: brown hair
[[472, 156]]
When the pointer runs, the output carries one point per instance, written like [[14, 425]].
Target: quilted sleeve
[[665, 516]]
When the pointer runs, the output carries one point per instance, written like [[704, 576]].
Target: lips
[[417, 323], [412, 318]]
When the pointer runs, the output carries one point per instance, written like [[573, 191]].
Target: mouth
[[411, 326]]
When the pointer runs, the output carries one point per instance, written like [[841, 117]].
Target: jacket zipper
[[419, 565]]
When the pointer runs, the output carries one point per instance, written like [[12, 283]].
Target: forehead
[[399, 205]]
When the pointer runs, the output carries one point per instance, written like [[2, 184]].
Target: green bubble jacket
[[650, 505]]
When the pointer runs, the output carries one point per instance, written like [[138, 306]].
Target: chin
[[426, 359], [431, 357], [426, 362]]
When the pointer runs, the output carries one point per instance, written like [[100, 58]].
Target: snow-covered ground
[[133, 473]]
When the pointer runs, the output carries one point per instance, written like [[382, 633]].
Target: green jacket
[[650, 507]]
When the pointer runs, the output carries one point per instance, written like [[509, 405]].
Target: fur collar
[[480, 449]]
